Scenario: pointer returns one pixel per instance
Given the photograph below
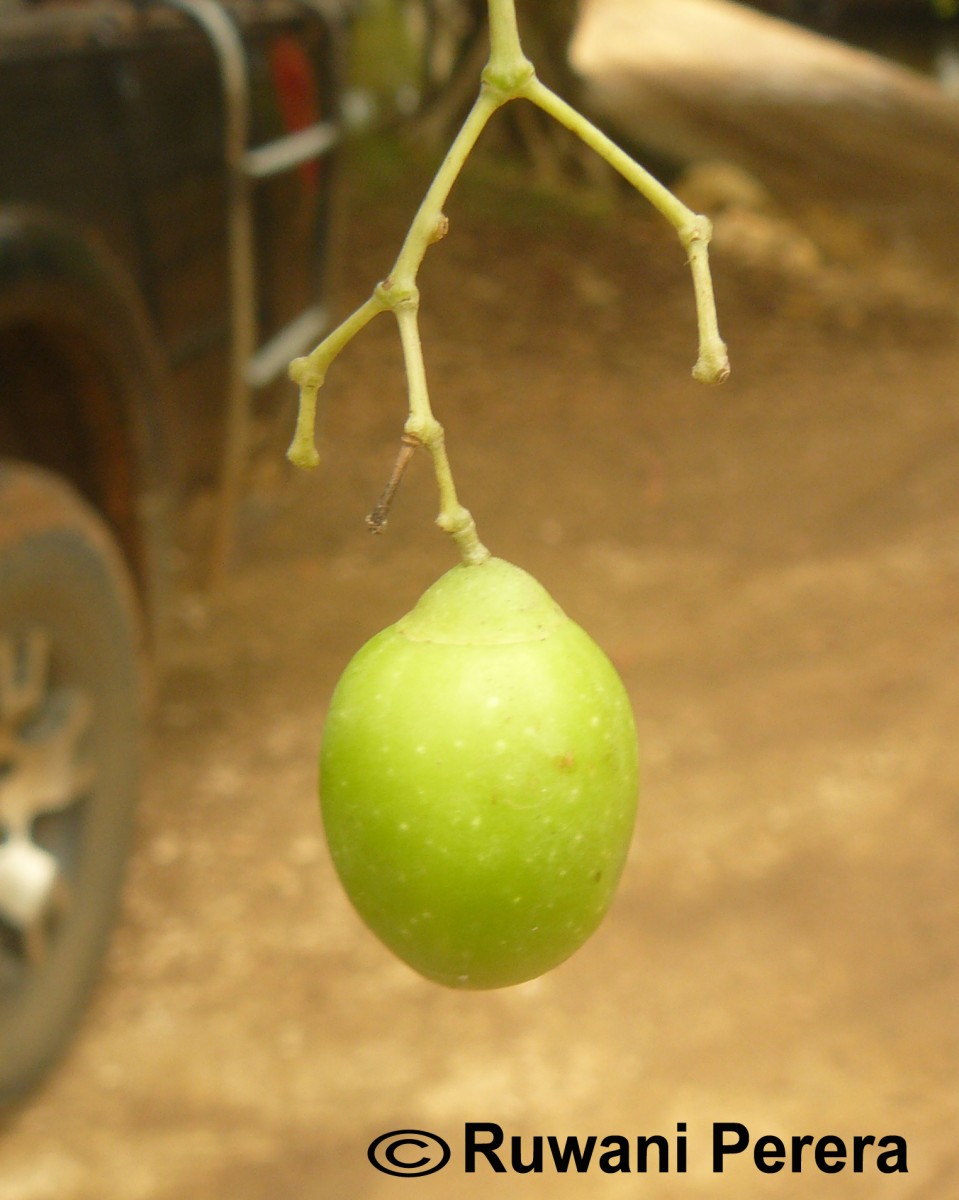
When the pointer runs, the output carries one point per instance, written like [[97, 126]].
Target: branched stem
[[504, 43], [508, 75], [712, 365], [423, 230], [309, 373]]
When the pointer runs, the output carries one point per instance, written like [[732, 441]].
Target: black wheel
[[70, 733]]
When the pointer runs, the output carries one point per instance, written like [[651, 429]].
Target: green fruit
[[478, 778]]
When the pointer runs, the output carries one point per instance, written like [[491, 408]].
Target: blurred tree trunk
[[546, 29]]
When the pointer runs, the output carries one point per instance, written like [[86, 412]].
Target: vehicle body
[[166, 197]]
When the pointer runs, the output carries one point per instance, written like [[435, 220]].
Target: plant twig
[[424, 427], [712, 365], [381, 513], [508, 75]]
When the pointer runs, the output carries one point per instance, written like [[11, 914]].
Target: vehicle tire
[[70, 752]]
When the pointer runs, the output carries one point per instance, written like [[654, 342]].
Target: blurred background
[[773, 566]]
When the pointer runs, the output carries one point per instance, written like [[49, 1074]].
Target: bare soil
[[774, 568]]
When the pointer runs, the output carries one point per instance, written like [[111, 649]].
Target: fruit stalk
[[422, 426]]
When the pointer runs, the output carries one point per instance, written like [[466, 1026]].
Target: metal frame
[[250, 367]]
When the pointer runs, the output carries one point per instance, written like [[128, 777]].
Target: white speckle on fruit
[[501, 746], [493, 702], [476, 822], [420, 749], [594, 721]]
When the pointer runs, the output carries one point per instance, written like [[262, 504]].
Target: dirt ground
[[773, 566]]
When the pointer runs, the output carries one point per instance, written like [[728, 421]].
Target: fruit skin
[[478, 780]]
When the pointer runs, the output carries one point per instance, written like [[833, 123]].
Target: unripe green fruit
[[478, 779]]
